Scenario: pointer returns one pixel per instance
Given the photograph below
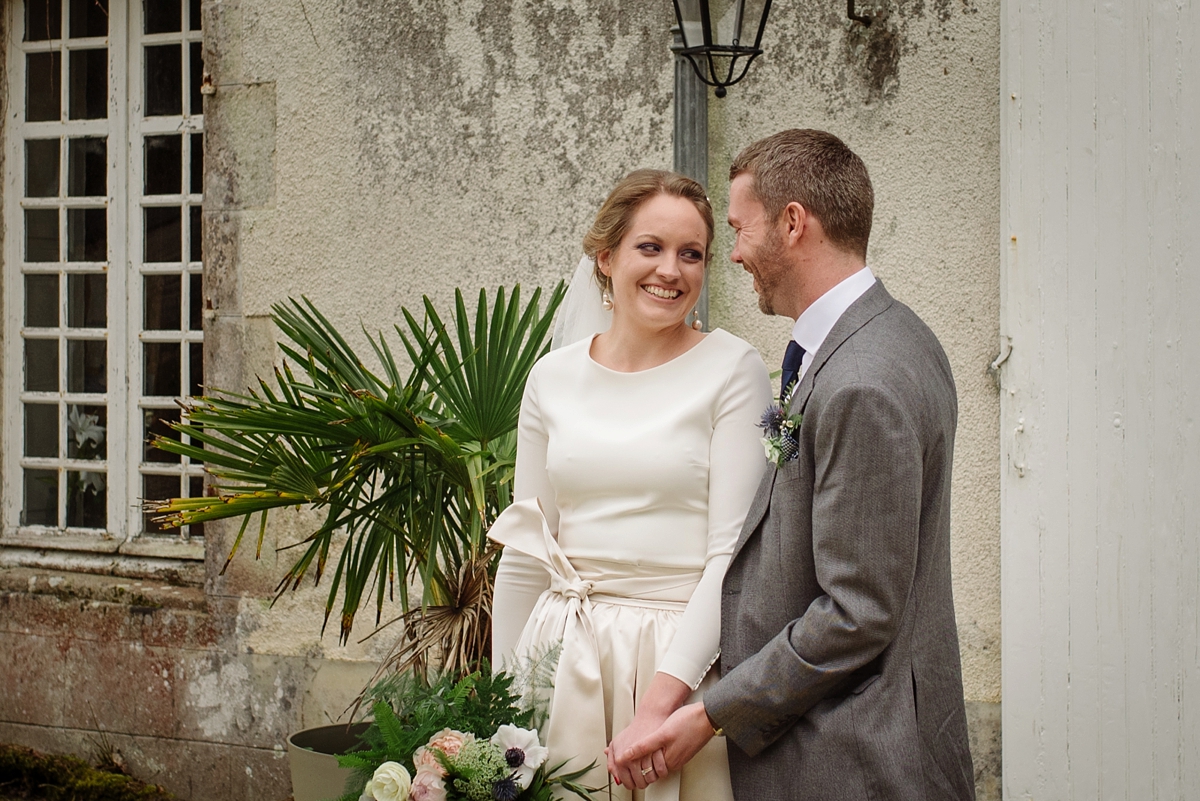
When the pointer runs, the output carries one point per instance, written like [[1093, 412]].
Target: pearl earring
[[606, 298], [696, 324]]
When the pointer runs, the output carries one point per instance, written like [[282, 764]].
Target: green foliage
[[544, 782], [65, 778], [412, 467], [409, 711]]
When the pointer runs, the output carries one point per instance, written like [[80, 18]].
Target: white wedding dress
[[630, 492]]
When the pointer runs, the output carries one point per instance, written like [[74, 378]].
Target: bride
[[637, 458]]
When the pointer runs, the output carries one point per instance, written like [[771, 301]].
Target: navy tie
[[792, 359]]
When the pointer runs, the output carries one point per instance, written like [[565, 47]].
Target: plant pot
[[316, 775]]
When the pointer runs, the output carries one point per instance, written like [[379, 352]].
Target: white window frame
[[123, 399]]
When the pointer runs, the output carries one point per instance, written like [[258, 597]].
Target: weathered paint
[[1100, 452]]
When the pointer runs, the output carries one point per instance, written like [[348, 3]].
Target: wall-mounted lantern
[[721, 37]]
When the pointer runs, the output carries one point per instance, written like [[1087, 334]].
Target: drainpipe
[[691, 133]]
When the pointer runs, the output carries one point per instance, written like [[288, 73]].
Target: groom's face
[[758, 243]]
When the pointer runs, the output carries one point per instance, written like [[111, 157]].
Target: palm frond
[[412, 468]]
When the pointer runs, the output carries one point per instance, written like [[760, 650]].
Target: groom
[[840, 673]]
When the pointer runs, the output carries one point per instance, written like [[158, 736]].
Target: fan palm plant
[[413, 468]]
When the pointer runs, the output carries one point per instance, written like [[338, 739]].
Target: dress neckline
[[587, 352]]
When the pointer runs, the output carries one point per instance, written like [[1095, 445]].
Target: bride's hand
[[644, 771], [665, 694]]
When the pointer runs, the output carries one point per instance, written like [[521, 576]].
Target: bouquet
[[454, 739]]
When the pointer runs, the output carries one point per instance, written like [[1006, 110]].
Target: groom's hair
[[816, 170]]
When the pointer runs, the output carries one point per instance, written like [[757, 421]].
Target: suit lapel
[[871, 304]]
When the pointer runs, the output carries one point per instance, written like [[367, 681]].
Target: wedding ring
[[648, 770]]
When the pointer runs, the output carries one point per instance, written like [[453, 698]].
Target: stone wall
[[366, 153]]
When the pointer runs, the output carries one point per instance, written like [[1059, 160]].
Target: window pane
[[195, 76], [162, 16], [41, 168], [41, 498], [87, 432], [164, 80], [89, 84], [41, 301], [158, 488], [163, 297], [196, 489], [41, 234], [193, 15], [161, 369], [43, 93], [87, 365], [87, 234], [196, 302], [158, 424], [89, 18], [87, 167], [43, 20], [196, 357], [41, 365], [41, 429], [164, 165], [197, 163], [163, 234], [197, 242], [87, 500], [87, 300]]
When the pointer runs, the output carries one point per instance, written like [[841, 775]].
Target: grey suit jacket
[[840, 672]]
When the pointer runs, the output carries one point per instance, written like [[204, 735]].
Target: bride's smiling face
[[657, 270]]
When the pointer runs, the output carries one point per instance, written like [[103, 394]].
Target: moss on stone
[[52, 777]]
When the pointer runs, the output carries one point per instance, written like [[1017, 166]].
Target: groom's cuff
[[717, 730]]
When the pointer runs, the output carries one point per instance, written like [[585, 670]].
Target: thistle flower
[[772, 419], [506, 790]]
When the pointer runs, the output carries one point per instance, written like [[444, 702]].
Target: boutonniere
[[780, 442]]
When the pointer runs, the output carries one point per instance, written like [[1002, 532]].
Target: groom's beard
[[769, 271]]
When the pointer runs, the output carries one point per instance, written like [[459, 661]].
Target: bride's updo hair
[[613, 219]]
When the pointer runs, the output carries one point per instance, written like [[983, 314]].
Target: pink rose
[[449, 741], [426, 759], [427, 785]]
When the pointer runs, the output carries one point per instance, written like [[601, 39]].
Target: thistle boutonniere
[[780, 442]]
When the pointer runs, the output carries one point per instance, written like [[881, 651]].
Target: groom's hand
[[664, 695], [680, 738]]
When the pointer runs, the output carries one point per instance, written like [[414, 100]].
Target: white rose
[[391, 782]]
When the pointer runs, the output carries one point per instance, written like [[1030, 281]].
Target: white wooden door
[[1101, 393]]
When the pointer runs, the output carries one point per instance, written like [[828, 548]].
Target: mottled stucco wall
[[374, 152]]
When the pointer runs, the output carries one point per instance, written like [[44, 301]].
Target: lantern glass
[[738, 23], [722, 23]]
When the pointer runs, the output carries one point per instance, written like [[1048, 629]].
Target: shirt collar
[[818, 320]]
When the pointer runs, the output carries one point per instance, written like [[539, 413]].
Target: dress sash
[[564, 612]]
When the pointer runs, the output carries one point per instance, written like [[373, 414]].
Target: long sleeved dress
[[630, 493]]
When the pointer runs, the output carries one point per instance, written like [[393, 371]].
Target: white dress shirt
[[818, 320]]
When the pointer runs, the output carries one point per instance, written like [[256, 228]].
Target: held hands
[[664, 695], [644, 770], [668, 748]]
